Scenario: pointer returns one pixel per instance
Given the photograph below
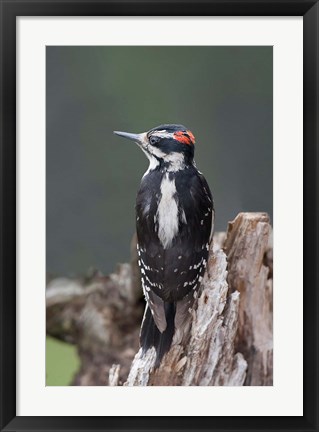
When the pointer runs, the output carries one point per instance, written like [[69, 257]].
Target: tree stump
[[249, 252], [229, 340]]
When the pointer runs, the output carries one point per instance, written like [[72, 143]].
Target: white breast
[[167, 212]]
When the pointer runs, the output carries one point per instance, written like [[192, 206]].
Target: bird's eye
[[153, 140]]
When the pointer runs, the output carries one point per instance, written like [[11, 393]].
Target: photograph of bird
[[174, 224]]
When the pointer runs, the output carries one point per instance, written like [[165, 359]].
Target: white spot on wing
[[183, 217], [212, 229]]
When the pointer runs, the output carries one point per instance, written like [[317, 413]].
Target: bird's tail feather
[[150, 335]]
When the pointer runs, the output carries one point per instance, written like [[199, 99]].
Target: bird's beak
[[134, 137]]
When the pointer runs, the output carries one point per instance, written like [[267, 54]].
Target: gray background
[[222, 94]]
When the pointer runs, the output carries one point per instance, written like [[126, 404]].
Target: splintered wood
[[229, 338], [249, 252]]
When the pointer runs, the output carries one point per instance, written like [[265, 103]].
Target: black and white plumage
[[174, 222]]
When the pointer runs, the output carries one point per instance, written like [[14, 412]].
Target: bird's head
[[170, 145]]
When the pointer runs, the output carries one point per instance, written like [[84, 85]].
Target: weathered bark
[[206, 354], [230, 332], [249, 251], [101, 315]]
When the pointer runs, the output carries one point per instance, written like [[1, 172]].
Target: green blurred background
[[222, 94]]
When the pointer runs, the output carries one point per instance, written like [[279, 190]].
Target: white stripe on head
[[162, 134], [176, 161]]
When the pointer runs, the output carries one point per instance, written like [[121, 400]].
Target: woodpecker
[[174, 224]]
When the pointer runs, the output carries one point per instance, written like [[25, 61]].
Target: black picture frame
[[10, 9]]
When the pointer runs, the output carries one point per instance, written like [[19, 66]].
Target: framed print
[[209, 322]]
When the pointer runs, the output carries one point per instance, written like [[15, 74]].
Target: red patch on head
[[185, 137]]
